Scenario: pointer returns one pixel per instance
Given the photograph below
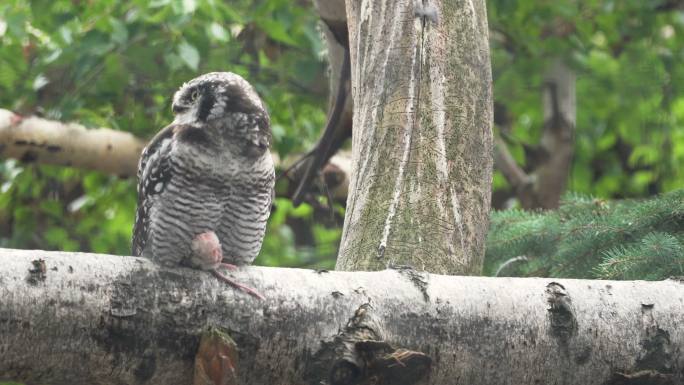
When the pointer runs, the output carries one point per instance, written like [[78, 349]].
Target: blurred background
[[588, 94]]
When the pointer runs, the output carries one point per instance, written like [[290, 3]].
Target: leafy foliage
[[630, 95], [592, 238], [117, 64]]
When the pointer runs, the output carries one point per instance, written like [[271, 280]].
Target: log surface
[[79, 318]]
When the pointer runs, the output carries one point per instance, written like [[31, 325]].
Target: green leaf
[[302, 211], [119, 31], [217, 32], [189, 55], [185, 6], [276, 31], [3, 27]]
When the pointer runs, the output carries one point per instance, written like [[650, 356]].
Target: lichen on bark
[[420, 188]]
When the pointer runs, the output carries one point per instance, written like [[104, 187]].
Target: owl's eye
[[194, 95]]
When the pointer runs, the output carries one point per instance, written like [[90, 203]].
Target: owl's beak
[[178, 109]]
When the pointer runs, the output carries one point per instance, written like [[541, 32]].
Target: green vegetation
[[591, 238], [630, 87], [117, 64]]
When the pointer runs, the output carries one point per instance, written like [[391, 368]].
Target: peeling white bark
[[101, 319], [421, 149]]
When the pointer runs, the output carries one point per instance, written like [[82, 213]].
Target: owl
[[206, 181]]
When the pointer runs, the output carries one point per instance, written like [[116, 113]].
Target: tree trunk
[[550, 162], [338, 128], [71, 318], [422, 141], [558, 138]]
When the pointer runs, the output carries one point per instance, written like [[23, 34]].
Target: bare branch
[[550, 163], [557, 143], [504, 162], [33, 139], [340, 115]]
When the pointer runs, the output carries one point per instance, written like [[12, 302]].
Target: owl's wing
[[152, 147], [154, 172]]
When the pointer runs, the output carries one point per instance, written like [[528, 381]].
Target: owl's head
[[226, 100], [214, 94]]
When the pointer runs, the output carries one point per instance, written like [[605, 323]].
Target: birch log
[[72, 318], [34, 139], [422, 141]]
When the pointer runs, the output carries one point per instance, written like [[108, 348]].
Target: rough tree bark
[[422, 141], [70, 318]]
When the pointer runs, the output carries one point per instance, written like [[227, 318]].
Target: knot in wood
[[358, 355], [344, 372]]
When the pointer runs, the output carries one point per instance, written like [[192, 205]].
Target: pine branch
[[592, 238]]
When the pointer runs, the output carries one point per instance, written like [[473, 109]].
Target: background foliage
[[117, 64], [630, 99]]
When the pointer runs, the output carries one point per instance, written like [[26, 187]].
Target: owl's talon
[[237, 285]]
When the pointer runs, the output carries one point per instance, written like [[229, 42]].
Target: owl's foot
[[206, 250], [237, 285]]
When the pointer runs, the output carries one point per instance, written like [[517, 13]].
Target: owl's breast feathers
[[186, 153]]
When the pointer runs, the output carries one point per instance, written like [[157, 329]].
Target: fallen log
[[77, 318]]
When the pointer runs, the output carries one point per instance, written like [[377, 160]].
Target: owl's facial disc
[[215, 95], [186, 104]]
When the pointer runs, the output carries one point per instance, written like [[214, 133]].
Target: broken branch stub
[[216, 361], [359, 355]]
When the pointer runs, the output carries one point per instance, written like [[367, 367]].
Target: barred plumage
[[208, 172]]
